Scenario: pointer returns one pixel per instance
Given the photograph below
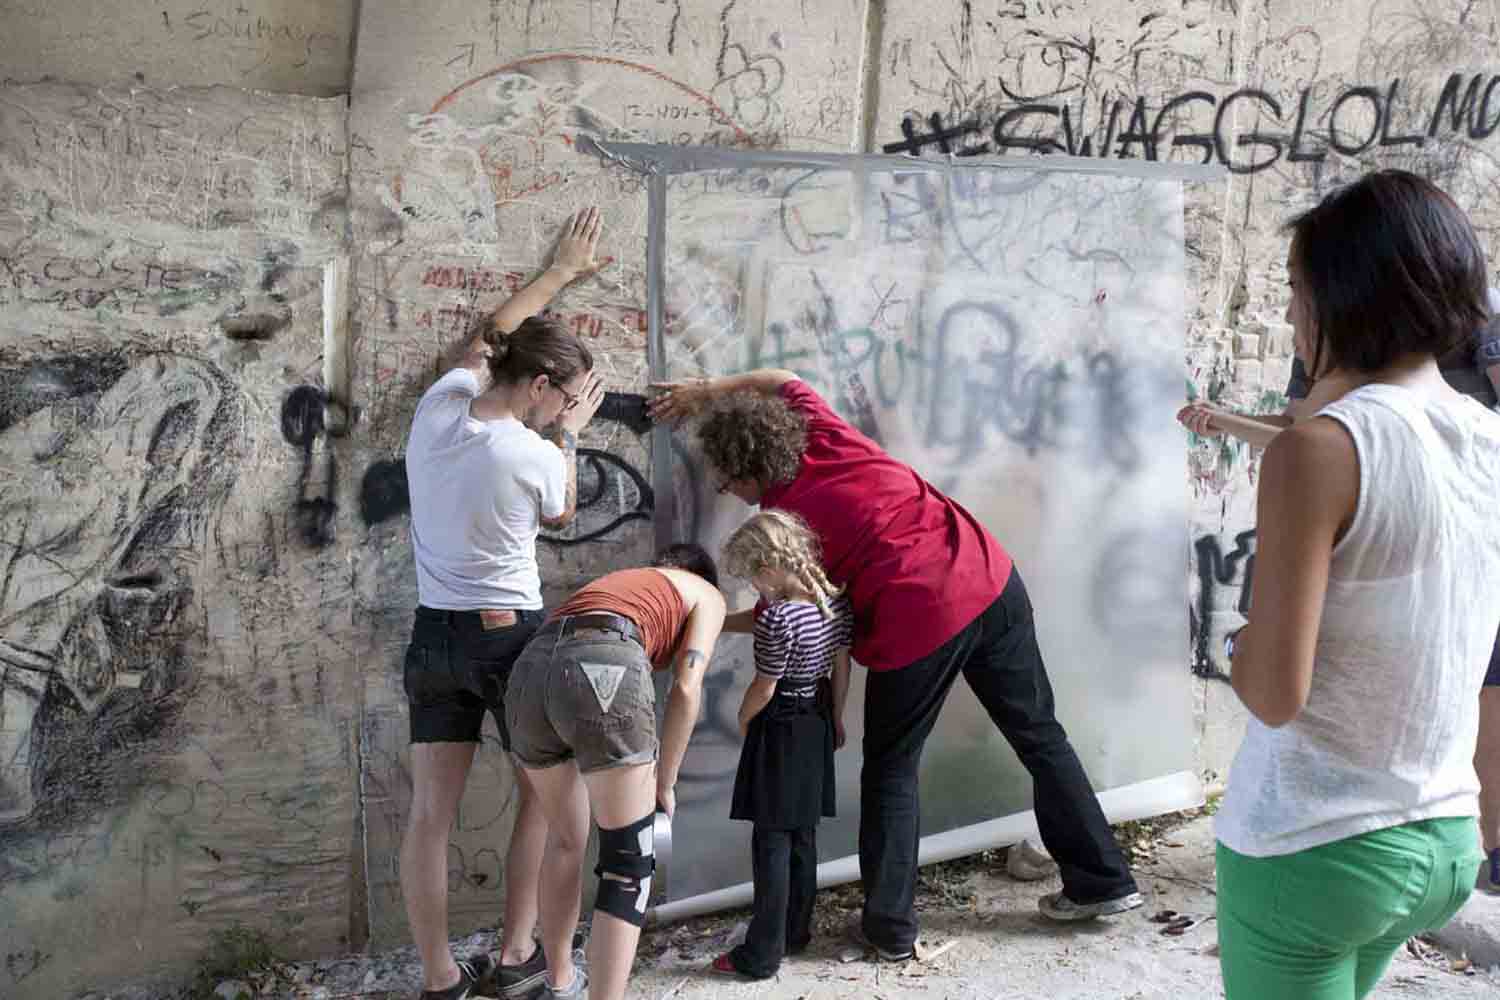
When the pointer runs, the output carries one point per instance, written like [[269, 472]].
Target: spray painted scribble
[[611, 492], [1216, 569]]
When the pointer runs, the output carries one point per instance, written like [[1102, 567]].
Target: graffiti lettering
[[1357, 119], [960, 394]]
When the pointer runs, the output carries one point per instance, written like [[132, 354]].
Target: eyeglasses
[[569, 400]]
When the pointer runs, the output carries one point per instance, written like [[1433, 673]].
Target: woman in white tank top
[[1348, 822]]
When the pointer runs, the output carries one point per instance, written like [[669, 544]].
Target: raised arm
[[687, 398], [573, 259], [704, 622], [1207, 420]]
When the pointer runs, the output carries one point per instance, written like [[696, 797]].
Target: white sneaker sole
[[1070, 911]]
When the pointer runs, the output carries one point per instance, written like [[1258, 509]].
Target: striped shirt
[[796, 645]]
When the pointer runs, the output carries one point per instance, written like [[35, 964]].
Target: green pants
[[1324, 923]]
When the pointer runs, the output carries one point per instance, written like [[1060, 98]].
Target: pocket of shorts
[[618, 706]]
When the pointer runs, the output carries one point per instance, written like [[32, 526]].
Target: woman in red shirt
[[934, 595]]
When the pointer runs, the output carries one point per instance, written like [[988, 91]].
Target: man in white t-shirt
[[482, 482]]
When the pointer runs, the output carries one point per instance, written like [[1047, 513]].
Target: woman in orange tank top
[[580, 708]]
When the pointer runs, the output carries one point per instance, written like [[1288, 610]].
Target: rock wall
[[208, 581]]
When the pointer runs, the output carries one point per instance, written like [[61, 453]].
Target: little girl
[[792, 721]]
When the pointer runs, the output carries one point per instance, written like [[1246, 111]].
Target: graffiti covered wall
[[208, 578], [176, 715]]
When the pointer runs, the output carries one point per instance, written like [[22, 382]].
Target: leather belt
[[597, 621]]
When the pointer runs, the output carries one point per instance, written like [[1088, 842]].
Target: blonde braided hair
[[776, 539]]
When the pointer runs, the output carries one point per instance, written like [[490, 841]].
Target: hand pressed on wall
[[580, 240], [678, 400]]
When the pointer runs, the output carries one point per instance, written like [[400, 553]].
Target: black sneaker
[[470, 972], [518, 982]]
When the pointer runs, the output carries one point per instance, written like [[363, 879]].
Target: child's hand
[[839, 736]]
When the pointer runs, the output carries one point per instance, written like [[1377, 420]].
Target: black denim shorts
[[457, 666]]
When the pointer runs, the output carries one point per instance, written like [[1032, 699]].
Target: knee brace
[[627, 858]]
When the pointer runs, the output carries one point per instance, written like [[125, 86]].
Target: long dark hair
[[1391, 266], [539, 346]]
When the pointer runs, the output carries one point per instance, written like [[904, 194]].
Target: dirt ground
[[1001, 947]]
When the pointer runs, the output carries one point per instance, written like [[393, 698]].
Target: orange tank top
[[646, 597]]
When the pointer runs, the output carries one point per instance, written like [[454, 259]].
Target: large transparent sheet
[[1016, 336]]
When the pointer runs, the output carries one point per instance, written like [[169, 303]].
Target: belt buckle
[[493, 618]]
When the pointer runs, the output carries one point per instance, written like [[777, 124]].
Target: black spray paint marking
[[302, 423], [1466, 106], [1216, 569], [385, 492]]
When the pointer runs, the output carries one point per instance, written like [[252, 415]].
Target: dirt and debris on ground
[[982, 937]]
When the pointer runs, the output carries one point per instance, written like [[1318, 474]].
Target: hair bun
[[499, 343]]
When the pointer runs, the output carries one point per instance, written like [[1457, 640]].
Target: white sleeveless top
[[1412, 609]]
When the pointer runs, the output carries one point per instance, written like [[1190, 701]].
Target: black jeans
[[785, 863], [998, 655]]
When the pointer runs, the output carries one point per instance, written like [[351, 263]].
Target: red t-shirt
[[916, 565]]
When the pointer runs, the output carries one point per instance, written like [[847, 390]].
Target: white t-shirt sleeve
[[458, 384], [554, 481]]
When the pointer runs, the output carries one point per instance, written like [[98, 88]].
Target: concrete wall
[[208, 587]]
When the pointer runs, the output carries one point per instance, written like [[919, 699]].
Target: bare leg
[[620, 796], [564, 802], [523, 873], [1487, 763], [438, 773]]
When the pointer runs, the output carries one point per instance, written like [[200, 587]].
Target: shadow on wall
[[118, 464]]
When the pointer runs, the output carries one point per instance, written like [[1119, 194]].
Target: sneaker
[[1056, 906], [1029, 862], [470, 972], [577, 988], [888, 954], [519, 982]]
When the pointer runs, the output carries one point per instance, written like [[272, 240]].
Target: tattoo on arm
[[692, 657]]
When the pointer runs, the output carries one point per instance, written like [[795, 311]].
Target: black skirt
[[785, 779]]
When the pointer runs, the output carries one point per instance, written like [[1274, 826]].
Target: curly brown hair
[[755, 438]]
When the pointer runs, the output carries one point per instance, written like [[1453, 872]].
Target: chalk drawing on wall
[[504, 138], [120, 465]]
